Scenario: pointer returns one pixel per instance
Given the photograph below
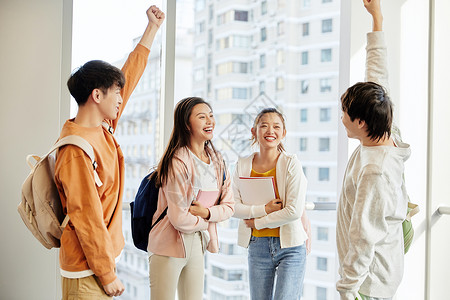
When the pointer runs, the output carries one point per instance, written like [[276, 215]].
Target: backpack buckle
[[94, 164]]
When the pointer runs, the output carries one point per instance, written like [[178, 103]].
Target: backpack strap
[[72, 140]]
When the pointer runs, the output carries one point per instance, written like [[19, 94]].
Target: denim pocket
[[253, 239]]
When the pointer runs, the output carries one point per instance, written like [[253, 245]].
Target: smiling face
[[269, 131], [201, 123], [110, 102]]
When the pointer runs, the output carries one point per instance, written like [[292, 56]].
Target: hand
[[307, 226], [374, 8], [155, 15], [197, 209], [114, 288], [250, 223], [274, 205]]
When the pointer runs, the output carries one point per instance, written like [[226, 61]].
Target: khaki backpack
[[41, 208]]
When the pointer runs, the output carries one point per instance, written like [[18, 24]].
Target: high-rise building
[[242, 55]]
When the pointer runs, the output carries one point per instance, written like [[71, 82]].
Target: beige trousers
[[86, 288], [169, 274]]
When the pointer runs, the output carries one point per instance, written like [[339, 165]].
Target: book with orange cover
[[207, 198], [257, 190]]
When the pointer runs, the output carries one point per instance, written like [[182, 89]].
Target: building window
[[280, 28], [325, 85], [262, 87], [321, 293], [262, 61], [327, 1], [209, 67], [324, 174], [210, 38], [199, 5], [324, 144], [211, 13], [241, 15], [304, 85], [199, 75], [263, 34], [305, 29], [280, 83], [325, 55], [200, 51], [327, 25], [304, 57], [303, 145], [325, 114], [240, 93], [199, 27], [306, 3], [322, 263], [322, 234], [280, 57], [304, 170], [303, 115], [263, 7]]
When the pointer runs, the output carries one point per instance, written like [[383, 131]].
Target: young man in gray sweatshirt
[[373, 202]]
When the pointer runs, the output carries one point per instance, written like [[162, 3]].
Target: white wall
[[35, 64]]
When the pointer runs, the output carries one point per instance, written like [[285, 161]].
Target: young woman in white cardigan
[[274, 233]]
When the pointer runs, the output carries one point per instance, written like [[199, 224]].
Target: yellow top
[[274, 232]]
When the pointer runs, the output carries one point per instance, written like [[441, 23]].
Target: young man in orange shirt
[[93, 241]]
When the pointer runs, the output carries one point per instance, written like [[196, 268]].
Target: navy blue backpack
[[142, 210]]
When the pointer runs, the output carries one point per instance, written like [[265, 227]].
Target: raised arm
[[155, 19], [374, 8], [376, 56]]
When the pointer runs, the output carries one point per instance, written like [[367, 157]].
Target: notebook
[[207, 198], [257, 190]]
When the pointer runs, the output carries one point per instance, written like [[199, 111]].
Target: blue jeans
[[268, 262]]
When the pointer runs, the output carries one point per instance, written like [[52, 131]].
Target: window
[[209, 67], [199, 27], [240, 93], [211, 13], [280, 28], [327, 1], [210, 38], [327, 25], [322, 234], [263, 7], [263, 34], [199, 74], [305, 29], [199, 5], [324, 174], [280, 83], [241, 15], [325, 114], [305, 171], [325, 85], [325, 55], [262, 87], [324, 144], [304, 57], [321, 293], [303, 115], [280, 57], [262, 61], [200, 51], [304, 85], [306, 3], [303, 145], [322, 263]]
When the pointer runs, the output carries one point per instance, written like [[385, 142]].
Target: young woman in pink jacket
[[177, 243]]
